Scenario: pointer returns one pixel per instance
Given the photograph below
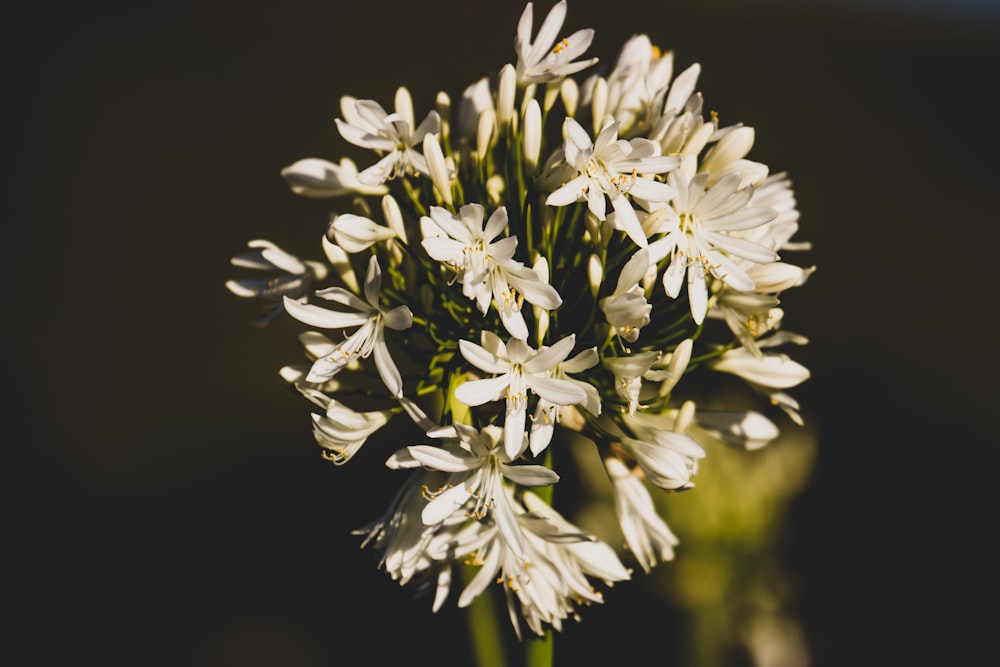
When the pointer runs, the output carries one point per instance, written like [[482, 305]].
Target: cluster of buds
[[556, 258]]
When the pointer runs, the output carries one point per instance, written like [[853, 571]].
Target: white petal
[[776, 371], [530, 475], [697, 292], [323, 317], [439, 458], [385, 365], [572, 191], [444, 505], [549, 356], [560, 392], [482, 358], [355, 233], [477, 392]]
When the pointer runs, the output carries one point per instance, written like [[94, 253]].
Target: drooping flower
[[477, 466], [646, 533], [341, 430], [667, 456], [321, 179], [366, 314], [546, 585], [626, 308], [291, 277]]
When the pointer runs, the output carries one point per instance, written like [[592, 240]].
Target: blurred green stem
[[538, 650], [484, 628]]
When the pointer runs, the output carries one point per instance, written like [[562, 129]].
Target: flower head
[[515, 275]]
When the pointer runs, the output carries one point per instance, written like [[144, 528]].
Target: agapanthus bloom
[[518, 369], [546, 263], [371, 320], [612, 168]]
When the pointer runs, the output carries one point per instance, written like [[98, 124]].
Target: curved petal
[[323, 317], [386, 366], [477, 392], [554, 390]]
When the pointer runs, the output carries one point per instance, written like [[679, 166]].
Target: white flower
[[626, 308], [551, 579], [320, 179], [340, 430], [392, 136], [668, 458], [355, 233], [772, 371], [646, 533], [518, 368], [613, 168], [370, 336], [292, 277], [540, 61], [547, 414], [700, 239], [747, 430], [405, 543], [770, 374], [752, 314], [485, 266], [629, 372], [478, 466], [635, 88]]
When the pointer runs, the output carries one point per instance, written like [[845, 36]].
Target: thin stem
[[538, 651], [484, 625]]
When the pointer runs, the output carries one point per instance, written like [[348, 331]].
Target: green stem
[[538, 650], [481, 614], [484, 626]]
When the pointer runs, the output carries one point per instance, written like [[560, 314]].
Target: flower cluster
[[541, 261]]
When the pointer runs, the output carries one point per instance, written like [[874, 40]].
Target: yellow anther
[[563, 43]]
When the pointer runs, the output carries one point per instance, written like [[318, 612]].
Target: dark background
[[165, 503]]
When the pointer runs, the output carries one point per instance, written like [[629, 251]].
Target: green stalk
[[538, 650], [484, 626], [481, 614]]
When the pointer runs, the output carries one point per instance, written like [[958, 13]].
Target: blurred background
[[165, 501]]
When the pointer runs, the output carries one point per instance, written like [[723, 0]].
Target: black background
[[165, 502]]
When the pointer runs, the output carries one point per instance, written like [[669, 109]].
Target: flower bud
[[506, 90], [532, 135]]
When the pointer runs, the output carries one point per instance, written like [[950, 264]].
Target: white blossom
[[392, 136], [539, 61], [369, 338], [609, 168], [289, 277], [517, 369]]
